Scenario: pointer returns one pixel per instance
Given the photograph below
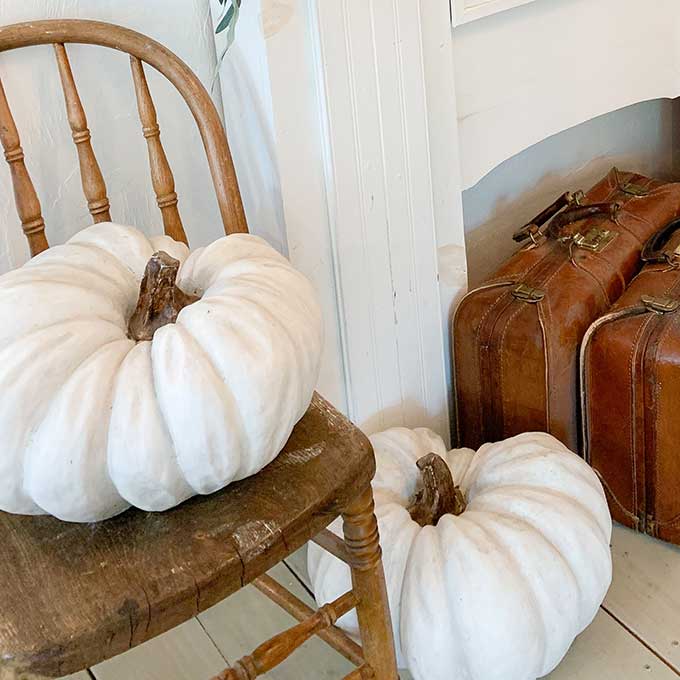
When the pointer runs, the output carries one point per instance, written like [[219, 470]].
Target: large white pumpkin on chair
[[112, 396], [492, 579]]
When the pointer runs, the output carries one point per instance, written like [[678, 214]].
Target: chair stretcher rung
[[333, 544], [332, 636], [277, 649]]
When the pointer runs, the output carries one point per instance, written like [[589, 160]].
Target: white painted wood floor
[[635, 635]]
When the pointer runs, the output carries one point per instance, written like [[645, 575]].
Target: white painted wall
[[249, 119], [530, 72], [639, 138], [103, 76]]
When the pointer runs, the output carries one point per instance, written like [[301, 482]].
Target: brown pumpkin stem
[[438, 495], [160, 300]]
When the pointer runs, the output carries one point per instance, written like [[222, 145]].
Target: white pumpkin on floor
[[113, 398], [491, 580]]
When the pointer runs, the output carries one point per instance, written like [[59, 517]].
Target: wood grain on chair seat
[[72, 595]]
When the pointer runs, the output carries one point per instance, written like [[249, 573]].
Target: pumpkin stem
[[438, 495], [160, 300]]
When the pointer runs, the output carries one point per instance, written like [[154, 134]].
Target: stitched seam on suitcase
[[605, 295], [542, 322], [457, 353], [484, 360], [634, 351], [493, 416], [548, 366], [487, 409], [667, 325], [612, 194], [502, 379], [650, 439], [487, 418]]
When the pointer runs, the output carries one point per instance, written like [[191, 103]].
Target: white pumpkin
[[500, 591], [92, 420]]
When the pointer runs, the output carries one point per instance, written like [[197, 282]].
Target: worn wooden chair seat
[[72, 595], [96, 590]]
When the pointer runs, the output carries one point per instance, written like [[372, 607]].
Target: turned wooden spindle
[[91, 176], [333, 636], [281, 646], [25, 197], [360, 529], [161, 174]]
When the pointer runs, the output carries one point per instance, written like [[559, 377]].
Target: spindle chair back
[[72, 597], [142, 50]]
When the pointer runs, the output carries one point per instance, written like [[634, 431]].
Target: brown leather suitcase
[[630, 364], [516, 338]]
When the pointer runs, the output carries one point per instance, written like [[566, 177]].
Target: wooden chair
[[73, 595]]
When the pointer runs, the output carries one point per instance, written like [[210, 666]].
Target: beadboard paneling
[[381, 212]]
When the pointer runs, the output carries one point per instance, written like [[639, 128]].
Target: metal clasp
[[630, 188], [634, 189], [528, 294], [596, 240], [660, 305]]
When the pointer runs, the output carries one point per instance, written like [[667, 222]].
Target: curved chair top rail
[[141, 49]]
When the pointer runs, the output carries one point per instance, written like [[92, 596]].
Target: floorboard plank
[[247, 618], [606, 651], [298, 563], [184, 653], [645, 593]]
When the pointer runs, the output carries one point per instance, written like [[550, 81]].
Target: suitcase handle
[[573, 213], [653, 250], [533, 228], [581, 212]]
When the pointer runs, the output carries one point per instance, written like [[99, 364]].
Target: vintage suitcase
[[516, 338], [630, 365]]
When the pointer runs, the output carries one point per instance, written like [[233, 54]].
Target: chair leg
[[368, 582]]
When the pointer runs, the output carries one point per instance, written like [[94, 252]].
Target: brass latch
[[596, 240], [630, 188], [660, 305], [528, 294], [634, 189]]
